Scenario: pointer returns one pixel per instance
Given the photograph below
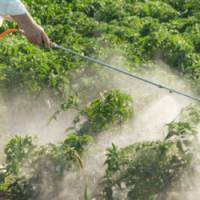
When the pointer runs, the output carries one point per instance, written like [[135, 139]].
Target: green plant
[[142, 30], [29, 166], [148, 170], [113, 107], [17, 151]]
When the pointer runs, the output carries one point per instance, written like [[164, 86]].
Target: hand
[[34, 33]]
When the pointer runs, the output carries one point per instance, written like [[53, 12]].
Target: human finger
[[46, 40]]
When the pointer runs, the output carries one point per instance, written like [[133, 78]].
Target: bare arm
[[34, 33]]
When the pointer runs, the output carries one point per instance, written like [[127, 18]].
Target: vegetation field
[[134, 34]]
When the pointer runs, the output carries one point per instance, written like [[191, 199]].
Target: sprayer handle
[[2, 35]]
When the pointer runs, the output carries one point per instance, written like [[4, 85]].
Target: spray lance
[[113, 68]]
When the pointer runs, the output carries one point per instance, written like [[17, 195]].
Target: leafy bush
[[190, 114], [18, 151], [148, 170], [29, 167], [113, 107], [180, 129], [155, 9], [176, 51], [142, 29], [187, 7]]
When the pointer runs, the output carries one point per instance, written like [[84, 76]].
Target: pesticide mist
[[154, 108]]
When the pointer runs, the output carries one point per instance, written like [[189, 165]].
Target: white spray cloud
[[153, 109]]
